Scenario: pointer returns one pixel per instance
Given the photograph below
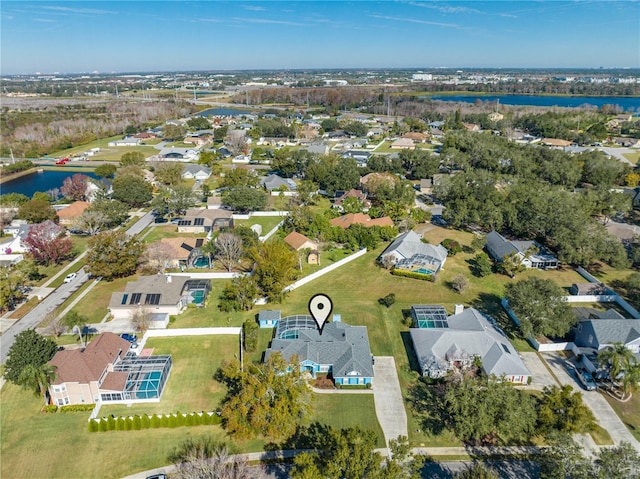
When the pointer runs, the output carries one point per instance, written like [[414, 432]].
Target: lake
[[223, 112], [626, 103], [42, 181]]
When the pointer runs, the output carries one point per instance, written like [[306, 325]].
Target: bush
[[120, 424], [137, 423], [460, 284], [250, 329], [453, 247], [104, 426], [388, 300], [410, 274], [49, 408], [94, 426], [145, 421], [77, 408], [20, 165]]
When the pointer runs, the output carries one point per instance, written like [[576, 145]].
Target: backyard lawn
[[628, 412], [95, 305]]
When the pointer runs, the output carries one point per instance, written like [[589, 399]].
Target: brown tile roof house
[[416, 136], [361, 219], [299, 241], [555, 142], [106, 370], [75, 209], [182, 249], [202, 220], [353, 193], [403, 144]]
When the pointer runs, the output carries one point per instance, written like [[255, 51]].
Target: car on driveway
[[586, 379], [132, 338], [70, 277]]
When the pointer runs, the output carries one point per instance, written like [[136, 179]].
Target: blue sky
[[137, 36]]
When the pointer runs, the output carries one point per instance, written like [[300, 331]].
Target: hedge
[[410, 274], [137, 422], [77, 408]]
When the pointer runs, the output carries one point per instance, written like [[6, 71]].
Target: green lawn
[[632, 157], [106, 153], [628, 412], [168, 231], [267, 222], [95, 305]]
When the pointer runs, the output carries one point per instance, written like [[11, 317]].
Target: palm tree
[[209, 248], [618, 357], [37, 379], [631, 379]]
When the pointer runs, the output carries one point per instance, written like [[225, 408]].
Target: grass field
[[95, 305], [191, 387], [106, 153], [632, 157], [267, 222]]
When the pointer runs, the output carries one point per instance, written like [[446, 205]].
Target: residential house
[[275, 183], [588, 289], [158, 294], [372, 180], [8, 260], [19, 231], [107, 371], [352, 193], [146, 135], [635, 195], [416, 136], [403, 144], [627, 142], [495, 116], [299, 241], [531, 254], [555, 143], [196, 172], [129, 141], [318, 148], [204, 220], [408, 252], [360, 219], [443, 343], [97, 186], [184, 252], [70, 213], [607, 329], [471, 127], [214, 202], [341, 351], [360, 156]]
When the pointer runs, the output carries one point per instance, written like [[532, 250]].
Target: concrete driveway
[[388, 399], [541, 376], [605, 415]]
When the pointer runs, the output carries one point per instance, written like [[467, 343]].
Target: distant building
[[531, 254], [408, 252]]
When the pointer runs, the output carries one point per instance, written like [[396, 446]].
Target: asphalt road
[[33, 318]]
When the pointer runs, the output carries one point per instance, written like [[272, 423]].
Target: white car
[[70, 277]]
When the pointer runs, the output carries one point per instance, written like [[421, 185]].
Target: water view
[[223, 112], [626, 103], [40, 181]]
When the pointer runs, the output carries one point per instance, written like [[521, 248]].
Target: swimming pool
[[201, 262], [149, 386], [423, 271], [198, 296]]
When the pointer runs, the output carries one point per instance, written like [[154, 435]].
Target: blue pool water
[[423, 271]]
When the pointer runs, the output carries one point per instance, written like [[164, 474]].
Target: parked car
[[586, 379], [62, 161], [160, 219], [132, 338], [157, 476], [70, 277]]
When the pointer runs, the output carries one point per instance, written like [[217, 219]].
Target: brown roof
[[297, 240], [353, 193], [74, 210], [361, 219], [415, 136], [176, 245], [378, 178], [555, 142], [114, 381], [86, 365]]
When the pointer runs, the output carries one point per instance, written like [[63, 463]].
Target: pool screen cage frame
[[139, 368]]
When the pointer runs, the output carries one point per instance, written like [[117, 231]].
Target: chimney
[[459, 308], [168, 278]]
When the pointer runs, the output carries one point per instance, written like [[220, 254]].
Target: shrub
[[111, 423], [104, 426], [180, 419], [173, 421], [388, 300], [120, 424], [411, 274], [93, 425], [145, 421], [250, 329], [460, 284], [128, 424], [77, 408], [453, 247], [137, 423], [156, 421], [49, 408]]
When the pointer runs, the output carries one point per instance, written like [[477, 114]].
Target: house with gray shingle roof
[[442, 343], [342, 351], [408, 252], [275, 182], [600, 331], [531, 254]]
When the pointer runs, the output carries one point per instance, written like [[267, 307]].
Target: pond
[[39, 181]]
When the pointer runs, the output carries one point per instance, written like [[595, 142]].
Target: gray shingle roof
[[409, 244], [344, 347], [468, 334], [170, 291], [498, 246], [609, 331], [273, 182]]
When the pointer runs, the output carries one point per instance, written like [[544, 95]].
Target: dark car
[[157, 476], [132, 338], [586, 379], [160, 219]]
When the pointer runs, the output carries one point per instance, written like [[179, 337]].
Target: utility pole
[[241, 348]]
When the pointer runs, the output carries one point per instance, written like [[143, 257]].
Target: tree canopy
[[114, 254], [540, 307], [267, 399], [28, 349], [132, 190]]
